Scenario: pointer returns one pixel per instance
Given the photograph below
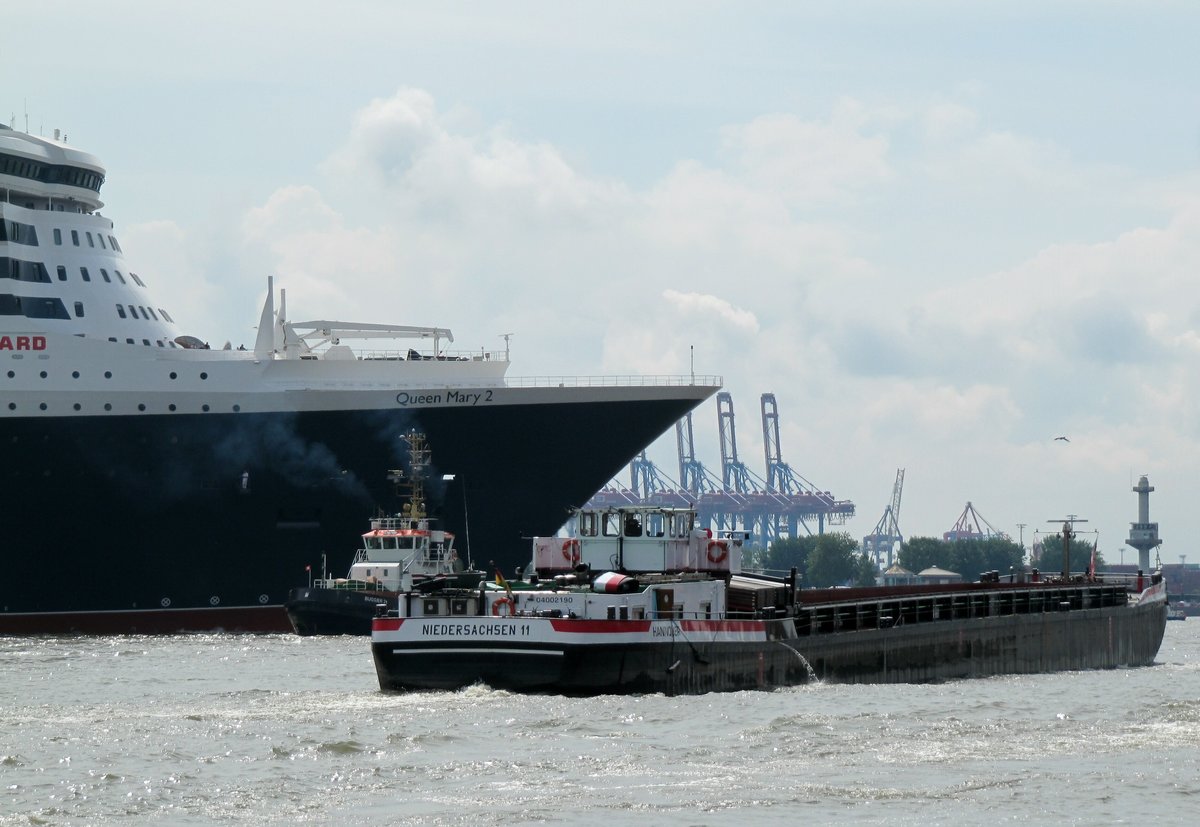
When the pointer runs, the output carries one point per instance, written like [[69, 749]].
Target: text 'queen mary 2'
[[151, 484]]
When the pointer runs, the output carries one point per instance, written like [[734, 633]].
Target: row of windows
[[18, 233], [147, 313], [19, 269], [58, 239], [35, 307], [50, 173], [40, 307], [87, 276]]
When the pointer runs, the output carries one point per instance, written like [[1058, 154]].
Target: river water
[[225, 729]]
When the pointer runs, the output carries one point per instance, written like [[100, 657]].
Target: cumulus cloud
[[899, 277]]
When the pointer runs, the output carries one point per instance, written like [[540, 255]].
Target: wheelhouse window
[[612, 524], [589, 524]]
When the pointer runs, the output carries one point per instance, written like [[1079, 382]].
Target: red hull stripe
[[577, 626]]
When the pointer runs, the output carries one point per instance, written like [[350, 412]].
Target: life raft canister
[[718, 550], [503, 607], [570, 551]]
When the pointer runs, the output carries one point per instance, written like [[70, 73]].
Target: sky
[[941, 233]]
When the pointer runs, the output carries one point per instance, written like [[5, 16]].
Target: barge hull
[[676, 663]]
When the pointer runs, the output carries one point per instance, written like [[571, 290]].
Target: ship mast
[[418, 465]]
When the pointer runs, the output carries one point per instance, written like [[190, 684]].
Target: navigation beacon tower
[[1143, 535]]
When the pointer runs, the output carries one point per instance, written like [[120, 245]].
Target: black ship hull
[[201, 522], [319, 611], [786, 652]]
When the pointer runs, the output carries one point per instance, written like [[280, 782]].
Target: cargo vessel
[[203, 480], [643, 600]]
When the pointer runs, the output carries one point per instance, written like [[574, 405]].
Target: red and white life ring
[[718, 550], [570, 551], [504, 607]]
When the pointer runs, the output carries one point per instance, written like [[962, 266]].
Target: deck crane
[[883, 540]]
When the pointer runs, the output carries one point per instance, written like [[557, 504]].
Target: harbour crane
[[886, 536], [972, 526]]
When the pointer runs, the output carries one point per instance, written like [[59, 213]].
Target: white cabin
[[638, 539]]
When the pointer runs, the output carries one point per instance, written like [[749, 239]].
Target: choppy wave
[[213, 729]]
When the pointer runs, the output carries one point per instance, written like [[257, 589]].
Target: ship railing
[[344, 584], [413, 355], [648, 380]]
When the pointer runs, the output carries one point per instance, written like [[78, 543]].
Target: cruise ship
[[152, 484]]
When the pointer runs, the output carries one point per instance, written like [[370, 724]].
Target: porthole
[[204, 408], [141, 406], [108, 406], [108, 374], [43, 374], [78, 407], [262, 598], [237, 408], [12, 406], [203, 375], [171, 407], [74, 374], [11, 374], [42, 406], [174, 375], [165, 602], [214, 600]]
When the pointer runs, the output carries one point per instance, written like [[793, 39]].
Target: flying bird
[[1061, 439]]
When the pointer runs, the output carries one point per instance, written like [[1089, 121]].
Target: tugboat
[[397, 553], [641, 599]]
